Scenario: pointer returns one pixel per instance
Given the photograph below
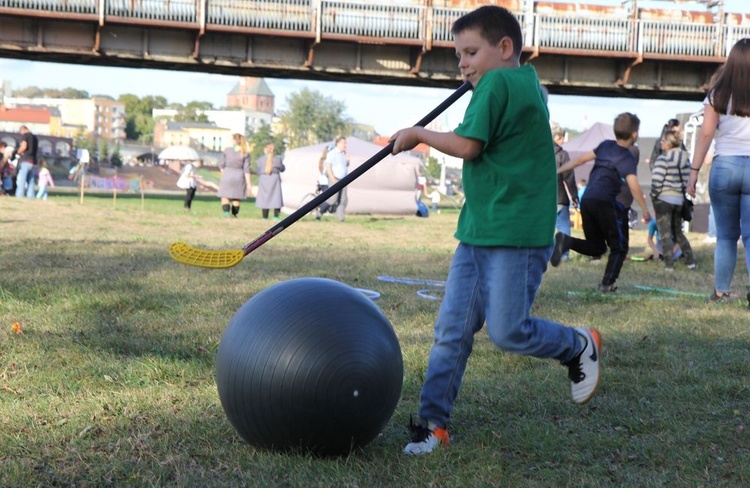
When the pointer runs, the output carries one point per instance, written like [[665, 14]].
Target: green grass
[[112, 381]]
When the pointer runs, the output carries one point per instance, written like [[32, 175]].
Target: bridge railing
[[581, 33], [346, 18], [281, 15], [685, 39], [70, 6], [408, 23], [181, 11]]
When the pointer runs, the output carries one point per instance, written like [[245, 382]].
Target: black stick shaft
[[353, 175]]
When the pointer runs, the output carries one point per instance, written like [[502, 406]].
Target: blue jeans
[[729, 188], [496, 285], [25, 180], [41, 194], [562, 224]]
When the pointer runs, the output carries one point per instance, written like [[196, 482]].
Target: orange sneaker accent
[[442, 434]]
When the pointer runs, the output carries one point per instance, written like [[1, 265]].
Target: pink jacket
[[45, 178]]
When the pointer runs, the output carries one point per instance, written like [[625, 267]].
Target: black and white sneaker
[[583, 370], [425, 440]]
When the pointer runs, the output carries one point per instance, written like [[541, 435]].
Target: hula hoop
[[411, 281], [427, 294], [372, 295], [669, 290]]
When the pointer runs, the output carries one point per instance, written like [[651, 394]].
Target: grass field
[[111, 382]]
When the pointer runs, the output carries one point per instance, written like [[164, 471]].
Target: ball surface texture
[[309, 364]]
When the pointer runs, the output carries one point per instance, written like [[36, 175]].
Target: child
[[509, 181], [6, 170], [188, 181], [434, 197], [601, 212], [45, 180], [654, 242]]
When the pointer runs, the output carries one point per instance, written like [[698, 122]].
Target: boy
[[604, 216], [505, 226]]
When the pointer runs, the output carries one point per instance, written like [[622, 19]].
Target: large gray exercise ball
[[309, 364]]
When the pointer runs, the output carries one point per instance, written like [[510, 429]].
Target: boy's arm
[[449, 143], [635, 189], [576, 163]]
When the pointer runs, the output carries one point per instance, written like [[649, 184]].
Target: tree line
[[311, 117]]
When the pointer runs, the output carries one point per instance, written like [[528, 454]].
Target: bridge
[[589, 50]]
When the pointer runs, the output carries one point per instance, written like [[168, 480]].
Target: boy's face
[[476, 55]]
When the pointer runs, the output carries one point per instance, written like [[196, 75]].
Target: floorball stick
[[187, 254]]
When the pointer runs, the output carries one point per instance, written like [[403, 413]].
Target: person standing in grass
[[603, 213], [45, 180], [270, 168], [567, 193], [235, 182], [726, 118], [668, 180], [509, 181]]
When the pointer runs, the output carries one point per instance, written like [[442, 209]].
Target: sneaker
[[583, 370], [558, 250], [602, 288], [317, 214], [669, 269], [692, 266], [425, 440], [716, 298]]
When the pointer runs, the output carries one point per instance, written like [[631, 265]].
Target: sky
[[387, 108]]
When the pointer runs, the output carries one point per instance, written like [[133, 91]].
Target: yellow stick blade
[[187, 254]]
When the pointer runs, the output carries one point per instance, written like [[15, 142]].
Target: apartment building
[[98, 117]]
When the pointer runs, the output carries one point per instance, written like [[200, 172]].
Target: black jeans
[[189, 195], [605, 224]]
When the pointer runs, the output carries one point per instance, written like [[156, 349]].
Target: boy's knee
[[507, 338]]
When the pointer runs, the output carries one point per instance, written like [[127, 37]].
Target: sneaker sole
[[598, 341], [558, 250]]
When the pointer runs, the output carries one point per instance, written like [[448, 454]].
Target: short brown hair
[[625, 124]]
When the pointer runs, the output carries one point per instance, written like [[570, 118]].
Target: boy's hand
[[405, 139]]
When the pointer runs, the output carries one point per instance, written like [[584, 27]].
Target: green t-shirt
[[511, 186]]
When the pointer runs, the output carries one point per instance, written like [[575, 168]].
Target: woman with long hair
[[726, 119], [235, 184]]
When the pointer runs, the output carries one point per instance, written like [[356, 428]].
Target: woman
[[235, 182], [671, 172], [726, 119], [270, 168]]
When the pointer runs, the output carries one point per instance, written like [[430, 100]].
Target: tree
[[192, 112], [116, 157], [103, 151], [35, 92], [29, 92], [258, 139], [139, 121], [313, 118]]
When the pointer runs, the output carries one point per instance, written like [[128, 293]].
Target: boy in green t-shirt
[[505, 228]]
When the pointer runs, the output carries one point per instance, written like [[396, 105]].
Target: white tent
[[179, 153], [587, 142], [387, 188]]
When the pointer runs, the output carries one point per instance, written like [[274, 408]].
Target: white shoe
[[583, 370], [425, 440]]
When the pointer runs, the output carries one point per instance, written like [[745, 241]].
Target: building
[[252, 94], [98, 117], [251, 104], [198, 135], [39, 120]]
